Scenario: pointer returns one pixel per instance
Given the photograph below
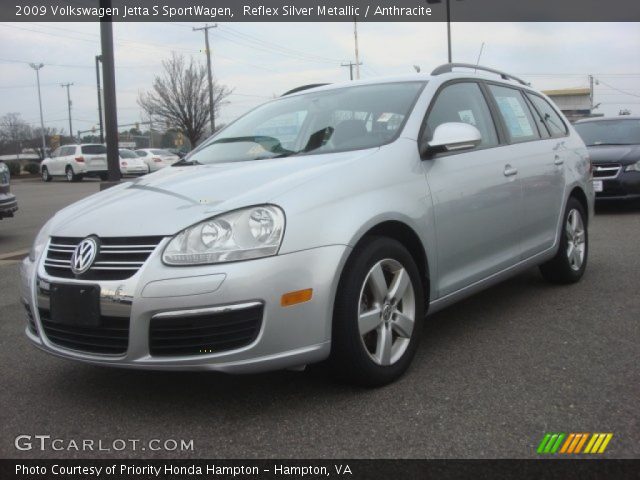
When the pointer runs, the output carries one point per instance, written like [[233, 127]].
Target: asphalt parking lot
[[493, 374]]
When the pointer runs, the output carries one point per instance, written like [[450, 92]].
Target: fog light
[[299, 296]]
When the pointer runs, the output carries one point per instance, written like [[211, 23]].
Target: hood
[[174, 198], [623, 154]]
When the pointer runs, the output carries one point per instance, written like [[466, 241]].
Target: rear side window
[[65, 151], [141, 153], [463, 102], [515, 114], [552, 120], [94, 149]]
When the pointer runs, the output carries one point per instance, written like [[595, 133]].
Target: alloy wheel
[[576, 239], [386, 311]]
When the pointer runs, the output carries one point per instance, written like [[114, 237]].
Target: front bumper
[[625, 186], [288, 336], [8, 205]]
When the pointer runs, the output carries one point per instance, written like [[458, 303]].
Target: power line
[[618, 90]]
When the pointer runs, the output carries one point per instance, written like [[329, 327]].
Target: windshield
[[127, 154], [610, 132], [349, 118]]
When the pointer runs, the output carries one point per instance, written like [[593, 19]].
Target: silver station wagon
[[321, 226]]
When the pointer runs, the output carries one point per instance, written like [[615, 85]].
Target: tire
[[70, 176], [45, 175], [570, 262], [366, 359]]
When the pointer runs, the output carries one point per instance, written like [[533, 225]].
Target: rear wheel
[[71, 177], [570, 262], [45, 175], [378, 313]]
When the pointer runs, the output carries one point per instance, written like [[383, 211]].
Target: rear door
[[536, 156], [477, 201]]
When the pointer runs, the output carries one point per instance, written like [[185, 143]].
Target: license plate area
[[77, 305], [597, 186]]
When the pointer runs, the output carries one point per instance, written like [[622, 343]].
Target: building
[[575, 103]]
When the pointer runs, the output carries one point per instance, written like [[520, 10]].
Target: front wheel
[[377, 315], [570, 262]]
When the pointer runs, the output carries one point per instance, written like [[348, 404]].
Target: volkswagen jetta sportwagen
[[322, 225]]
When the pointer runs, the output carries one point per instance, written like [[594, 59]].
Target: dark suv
[[614, 147], [8, 203]]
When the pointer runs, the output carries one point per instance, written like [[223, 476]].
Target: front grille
[[118, 259], [205, 334], [31, 323], [606, 170], [111, 337]]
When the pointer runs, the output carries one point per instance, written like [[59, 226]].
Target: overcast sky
[[260, 60]]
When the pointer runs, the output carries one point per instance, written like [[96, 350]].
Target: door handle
[[558, 160], [509, 170]]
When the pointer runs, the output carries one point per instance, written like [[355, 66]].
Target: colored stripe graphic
[[573, 443]]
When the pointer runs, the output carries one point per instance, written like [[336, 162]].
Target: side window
[[551, 119], [515, 114], [463, 102]]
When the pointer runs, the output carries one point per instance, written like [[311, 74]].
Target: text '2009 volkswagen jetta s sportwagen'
[[320, 226]]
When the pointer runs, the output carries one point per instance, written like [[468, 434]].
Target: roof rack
[[448, 67], [303, 87]]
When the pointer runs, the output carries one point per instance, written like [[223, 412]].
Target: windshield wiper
[[183, 162], [599, 144]]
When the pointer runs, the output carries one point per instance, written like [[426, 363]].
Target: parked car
[[157, 158], [614, 147], [393, 198], [8, 202], [75, 162], [131, 163]]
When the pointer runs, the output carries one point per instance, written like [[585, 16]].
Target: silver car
[[321, 226]]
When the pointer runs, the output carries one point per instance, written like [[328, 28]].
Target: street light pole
[[67, 85], [449, 30], [37, 68]]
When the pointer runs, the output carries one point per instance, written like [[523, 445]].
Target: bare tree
[[13, 132], [180, 97]]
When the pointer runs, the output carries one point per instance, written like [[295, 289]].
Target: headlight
[[40, 242], [244, 234], [634, 167]]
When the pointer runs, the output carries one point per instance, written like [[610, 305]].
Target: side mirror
[[452, 136]]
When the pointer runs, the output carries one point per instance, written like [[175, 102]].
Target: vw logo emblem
[[84, 255]]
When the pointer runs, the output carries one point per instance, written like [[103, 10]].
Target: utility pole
[[355, 38], [37, 67], [205, 29], [110, 107], [591, 90], [350, 65], [67, 85], [98, 60]]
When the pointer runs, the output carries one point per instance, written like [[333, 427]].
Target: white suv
[[76, 162]]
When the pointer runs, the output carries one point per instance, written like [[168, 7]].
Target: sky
[[262, 60]]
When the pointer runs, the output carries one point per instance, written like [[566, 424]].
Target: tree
[[180, 97], [13, 132]]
